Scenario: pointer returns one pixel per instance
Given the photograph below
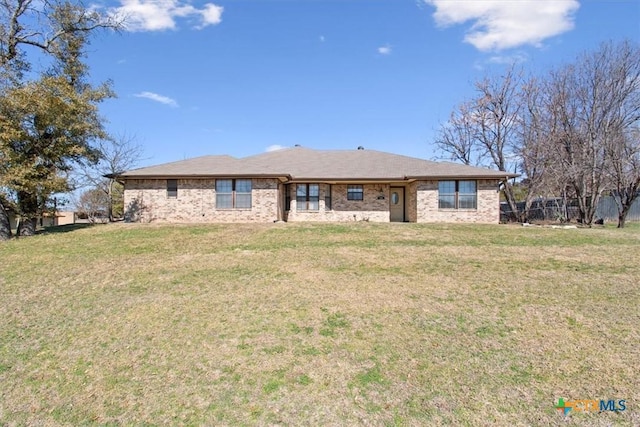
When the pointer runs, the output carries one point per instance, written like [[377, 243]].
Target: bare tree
[[623, 147], [93, 205], [593, 102], [116, 155], [532, 149], [457, 137], [623, 167], [38, 24], [483, 131], [572, 133]]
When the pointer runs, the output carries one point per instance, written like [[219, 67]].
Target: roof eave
[[343, 179], [208, 175], [453, 176]]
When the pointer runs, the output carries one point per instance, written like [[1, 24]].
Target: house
[[58, 218], [46, 220], [302, 184]]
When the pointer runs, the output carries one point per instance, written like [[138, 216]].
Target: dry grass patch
[[385, 324]]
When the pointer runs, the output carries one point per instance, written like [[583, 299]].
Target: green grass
[[339, 324]]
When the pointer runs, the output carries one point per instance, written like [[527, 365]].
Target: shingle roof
[[205, 165], [301, 163]]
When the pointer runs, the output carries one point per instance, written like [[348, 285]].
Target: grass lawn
[[327, 324]]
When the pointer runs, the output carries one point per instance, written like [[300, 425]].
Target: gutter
[[504, 177], [185, 176]]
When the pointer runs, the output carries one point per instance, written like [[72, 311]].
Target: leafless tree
[[116, 155], [93, 205], [483, 131], [623, 167], [593, 102], [457, 137], [37, 23], [573, 133], [623, 147], [532, 149]]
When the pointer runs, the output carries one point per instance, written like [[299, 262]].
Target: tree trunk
[[28, 207], [526, 213], [26, 227], [511, 201], [565, 207], [110, 202], [623, 210], [585, 216], [5, 225], [622, 218]]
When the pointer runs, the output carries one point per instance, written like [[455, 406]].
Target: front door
[[396, 204]]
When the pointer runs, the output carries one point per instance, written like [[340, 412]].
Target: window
[[355, 192], [467, 197], [307, 197], [327, 197], [233, 194], [172, 188], [457, 195], [224, 193], [395, 198], [447, 195], [243, 193]]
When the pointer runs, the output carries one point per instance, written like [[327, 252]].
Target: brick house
[[302, 184]]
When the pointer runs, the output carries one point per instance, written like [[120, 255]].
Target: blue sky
[[240, 77]]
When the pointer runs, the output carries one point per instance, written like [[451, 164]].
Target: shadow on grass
[[66, 228]]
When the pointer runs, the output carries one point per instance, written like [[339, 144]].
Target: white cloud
[[384, 50], [158, 15], [502, 24], [322, 39], [211, 15], [157, 98], [274, 147]]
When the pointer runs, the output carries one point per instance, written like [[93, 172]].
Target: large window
[[457, 195], [307, 197], [172, 188], [355, 192], [467, 195], [233, 194]]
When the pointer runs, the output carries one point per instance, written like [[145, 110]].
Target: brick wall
[[146, 200], [411, 202], [426, 204], [371, 208]]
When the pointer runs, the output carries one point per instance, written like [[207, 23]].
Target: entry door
[[396, 204]]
